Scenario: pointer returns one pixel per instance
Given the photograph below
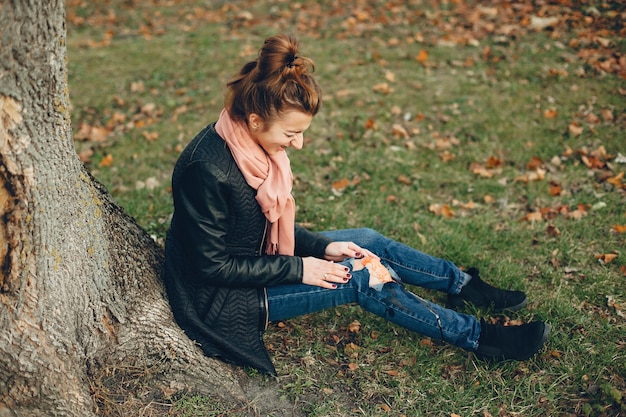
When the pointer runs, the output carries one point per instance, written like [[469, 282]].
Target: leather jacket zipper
[[264, 316]]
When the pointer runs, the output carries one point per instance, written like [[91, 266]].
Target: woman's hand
[[325, 274], [328, 273], [338, 251]]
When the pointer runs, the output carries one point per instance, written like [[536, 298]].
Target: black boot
[[497, 342], [481, 294]]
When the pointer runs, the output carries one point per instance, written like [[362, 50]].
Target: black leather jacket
[[215, 268]]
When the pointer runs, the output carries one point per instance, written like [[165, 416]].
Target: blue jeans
[[393, 301]]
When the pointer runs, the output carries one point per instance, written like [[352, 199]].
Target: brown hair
[[277, 81]]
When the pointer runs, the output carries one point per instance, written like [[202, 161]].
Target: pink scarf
[[272, 178]]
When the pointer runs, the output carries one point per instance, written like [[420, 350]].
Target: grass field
[[492, 135]]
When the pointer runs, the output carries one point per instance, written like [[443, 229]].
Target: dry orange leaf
[[106, 161], [606, 258], [576, 214], [447, 156], [353, 366], [481, 171], [493, 162], [403, 179], [399, 131], [470, 205], [555, 190], [382, 88], [354, 327], [341, 185], [616, 180], [550, 113], [426, 342], [150, 136], [575, 129], [441, 210], [535, 216], [620, 228], [422, 57], [552, 230], [370, 124], [85, 155], [607, 115], [534, 163]]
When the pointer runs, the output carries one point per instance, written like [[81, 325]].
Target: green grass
[[493, 107]]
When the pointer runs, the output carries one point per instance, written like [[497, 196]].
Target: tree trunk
[[80, 291]]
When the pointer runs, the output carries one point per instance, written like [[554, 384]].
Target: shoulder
[[207, 152]]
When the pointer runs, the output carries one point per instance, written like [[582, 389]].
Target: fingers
[[360, 252], [337, 274]]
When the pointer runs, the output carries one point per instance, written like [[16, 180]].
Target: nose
[[298, 141]]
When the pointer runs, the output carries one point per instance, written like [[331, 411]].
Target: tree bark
[[80, 291]]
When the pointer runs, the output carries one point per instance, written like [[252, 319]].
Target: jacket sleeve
[[310, 243], [201, 201]]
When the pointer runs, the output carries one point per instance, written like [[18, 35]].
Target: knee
[[370, 236]]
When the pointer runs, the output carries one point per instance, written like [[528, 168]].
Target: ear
[[255, 122]]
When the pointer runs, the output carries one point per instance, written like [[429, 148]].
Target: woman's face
[[286, 130]]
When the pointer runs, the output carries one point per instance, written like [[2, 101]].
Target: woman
[[235, 259]]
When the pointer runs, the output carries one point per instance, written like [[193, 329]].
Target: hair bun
[[291, 60]]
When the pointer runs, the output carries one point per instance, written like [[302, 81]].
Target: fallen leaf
[[620, 228], [150, 136], [550, 113], [494, 162], [403, 179], [382, 88], [106, 161], [481, 171], [607, 115], [552, 230], [555, 189], [341, 185], [354, 327], [606, 258], [422, 57], [85, 155], [616, 180], [137, 87], [443, 210], [426, 342], [371, 124], [399, 131], [534, 216], [447, 156], [575, 129], [534, 163], [540, 23]]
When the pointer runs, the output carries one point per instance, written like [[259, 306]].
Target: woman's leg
[[412, 266], [392, 302]]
